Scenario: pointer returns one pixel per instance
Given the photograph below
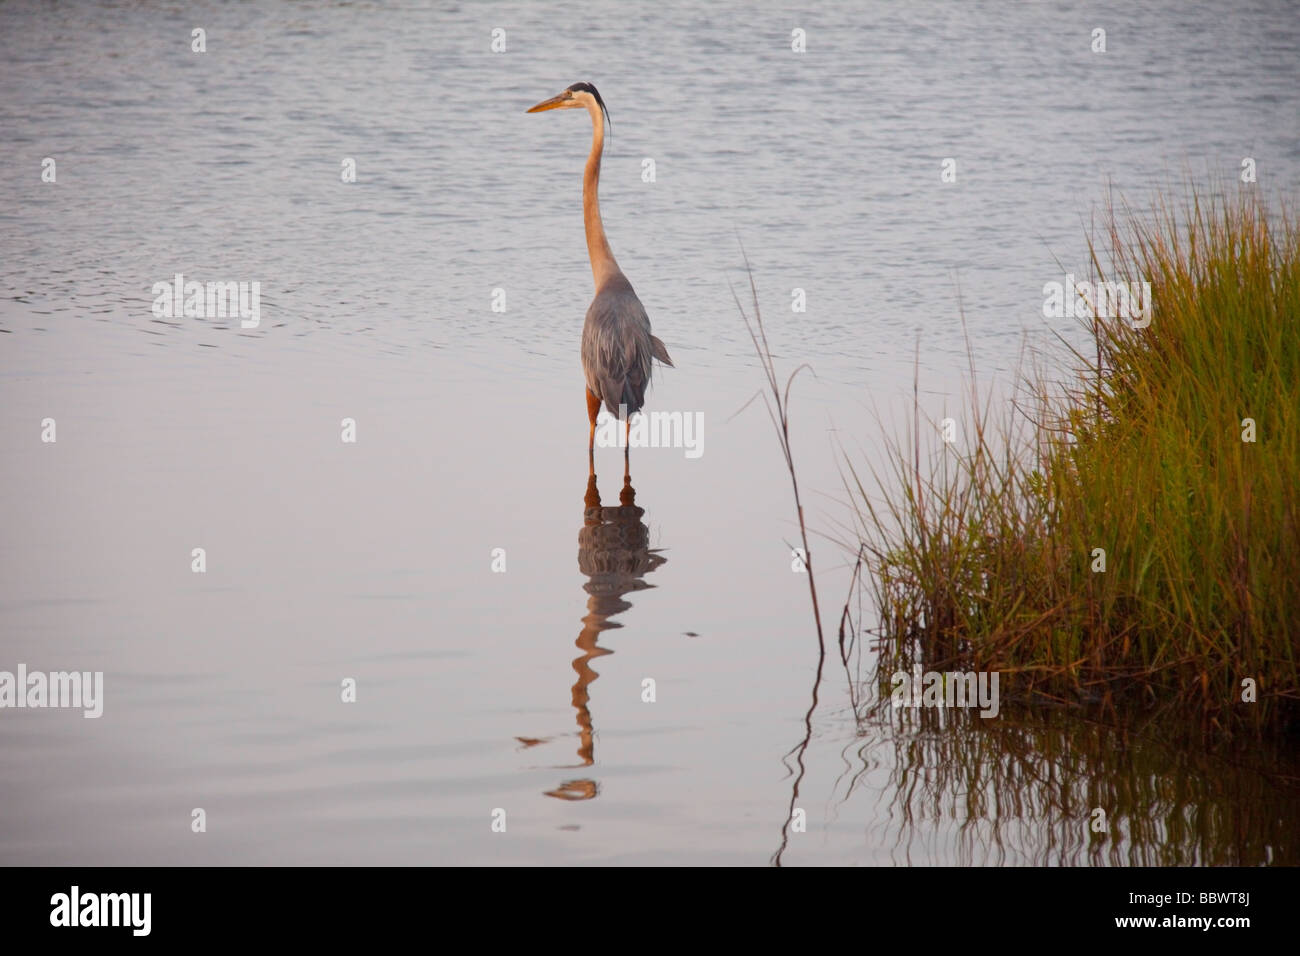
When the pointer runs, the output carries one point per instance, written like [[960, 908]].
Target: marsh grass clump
[[1132, 534]]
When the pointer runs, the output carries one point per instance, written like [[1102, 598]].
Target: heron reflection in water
[[614, 553]]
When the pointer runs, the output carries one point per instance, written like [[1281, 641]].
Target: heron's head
[[580, 96]]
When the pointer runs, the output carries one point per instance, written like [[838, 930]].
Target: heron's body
[[617, 347]]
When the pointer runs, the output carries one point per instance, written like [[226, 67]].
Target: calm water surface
[[523, 691]]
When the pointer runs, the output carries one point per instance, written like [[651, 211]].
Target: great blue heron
[[617, 347]]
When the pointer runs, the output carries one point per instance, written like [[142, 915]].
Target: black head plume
[[588, 88]]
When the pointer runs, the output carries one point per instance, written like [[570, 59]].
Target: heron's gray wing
[[661, 351], [617, 348]]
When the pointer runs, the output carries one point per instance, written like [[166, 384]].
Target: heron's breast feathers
[[618, 348]]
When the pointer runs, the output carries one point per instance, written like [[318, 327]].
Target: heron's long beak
[[554, 103]]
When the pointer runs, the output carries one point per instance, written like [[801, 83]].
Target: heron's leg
[[593, 406], [627, 445]]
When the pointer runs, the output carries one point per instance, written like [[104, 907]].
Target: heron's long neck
[[602, 259]]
